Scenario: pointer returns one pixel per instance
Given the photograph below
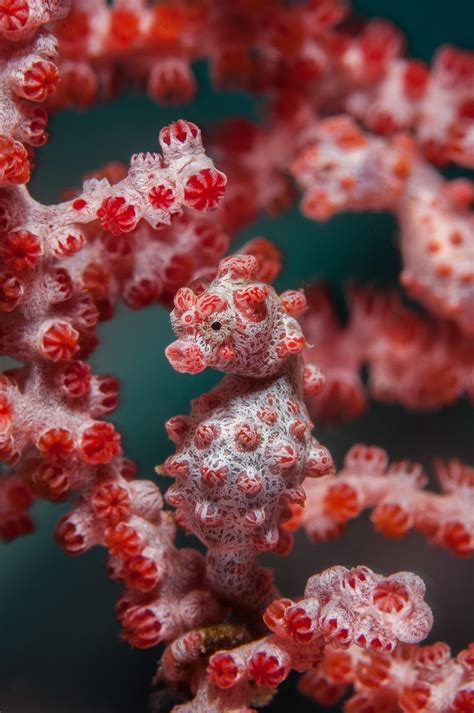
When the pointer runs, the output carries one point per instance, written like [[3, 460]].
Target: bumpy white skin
[[246, 447]]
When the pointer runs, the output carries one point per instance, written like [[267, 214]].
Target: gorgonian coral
[[411, 358], [360, 126]]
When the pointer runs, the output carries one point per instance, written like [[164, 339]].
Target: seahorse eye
[[216, 326]]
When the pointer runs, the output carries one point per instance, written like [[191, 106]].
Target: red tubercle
[[336, 631], [339, 667], [171, 81], [434, 656], [214, 476], [248, 482], [205, 434], [466, 658], [104, 395], [178, 271], [323, 691], [141, 292], [466, 110], [34, 124], [58, 285], [292, 344], [174, 466], [19, 496], [267, 415], [247, 437], [209, 303], [294, 301], [464, 701], [283, 454]]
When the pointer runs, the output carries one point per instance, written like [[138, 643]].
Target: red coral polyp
[[141, 573], [204, 190], [99, 443], [59, 341], [267, 669], [14, 162], [141, 627], [39, 79], [223, 670], [161, 196], [13, 15], [111, 502], [116, 215], [56, 443], [21, 250], [390, 597]]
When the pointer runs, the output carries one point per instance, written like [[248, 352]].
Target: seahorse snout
[[186, 357]]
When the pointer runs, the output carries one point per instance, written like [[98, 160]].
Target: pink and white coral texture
[[351, 123]]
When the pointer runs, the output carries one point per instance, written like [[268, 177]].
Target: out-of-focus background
[[59, 645]]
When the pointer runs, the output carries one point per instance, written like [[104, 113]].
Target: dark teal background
[[59, 650]]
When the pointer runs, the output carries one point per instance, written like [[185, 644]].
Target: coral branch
[[340, 606], [411, 680], [28, 76], [51, 432], [345, 169], [148, 265], [412, 359], [396, 498]]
